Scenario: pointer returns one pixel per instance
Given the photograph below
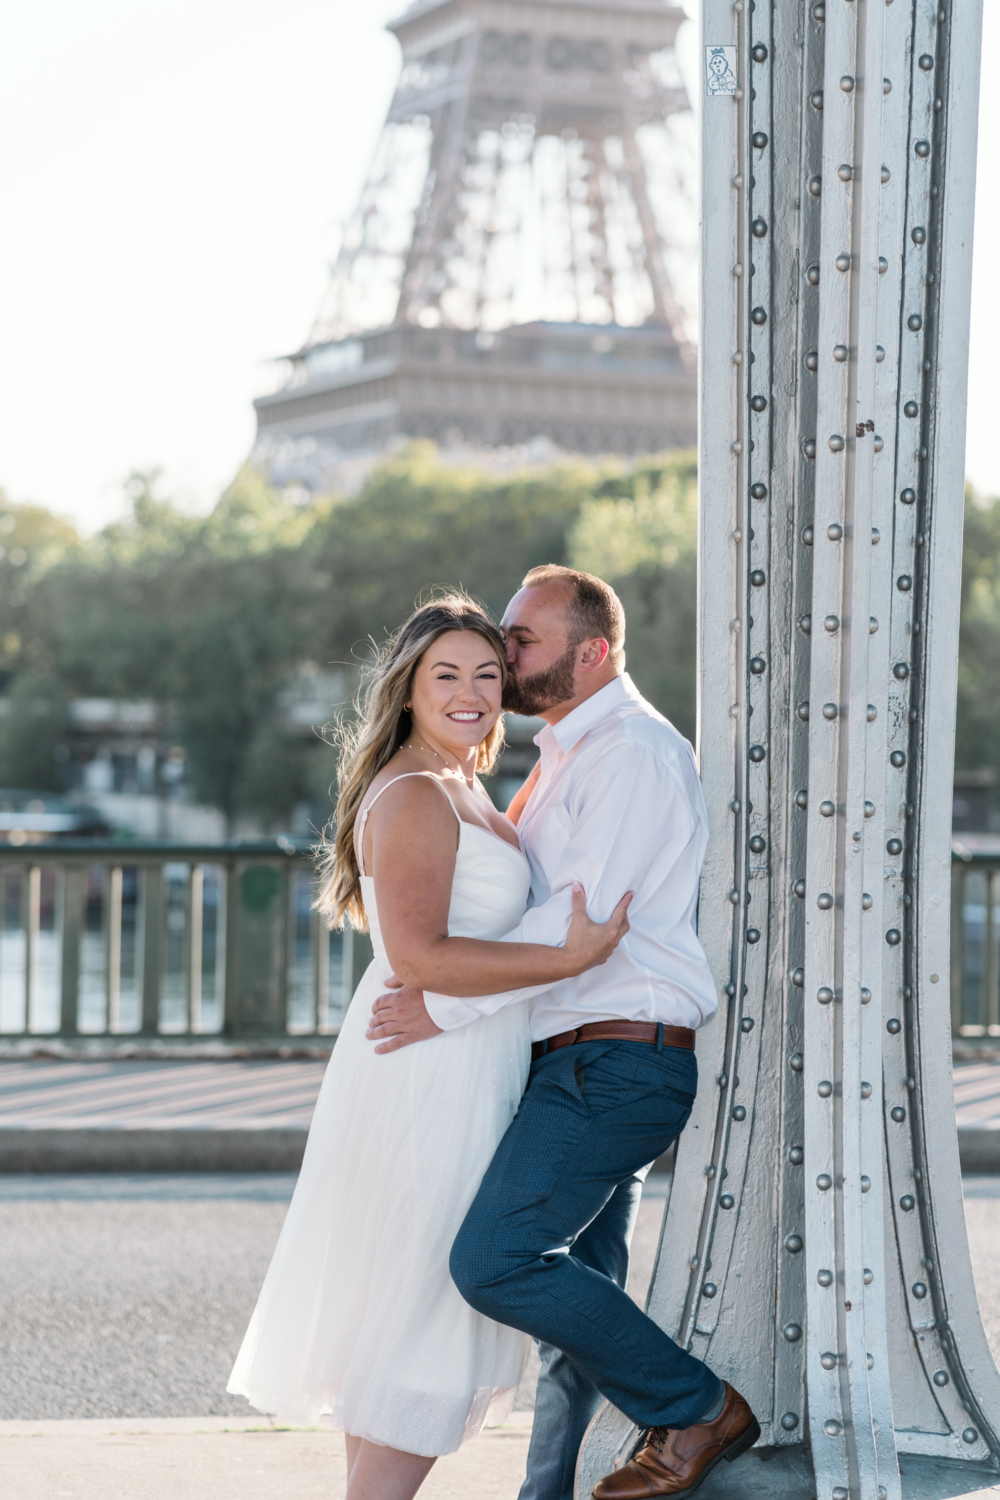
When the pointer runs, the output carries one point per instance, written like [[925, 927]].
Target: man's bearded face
[[534, 694]]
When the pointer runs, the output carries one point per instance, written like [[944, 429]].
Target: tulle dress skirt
[[359, 1324]]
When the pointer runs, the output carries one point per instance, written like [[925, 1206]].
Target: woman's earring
[[406, 707]]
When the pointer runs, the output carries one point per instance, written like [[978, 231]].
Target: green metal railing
[[100, 939], [975, 942], [166, 940]]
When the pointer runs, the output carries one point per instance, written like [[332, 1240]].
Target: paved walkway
[[133, 1116], [242, 1094], [227, 1094], [123, 1301], [234, 1115], [205, 1460], [237, 1115], [977, 1093]]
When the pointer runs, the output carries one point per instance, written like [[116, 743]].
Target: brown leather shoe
[[674, 1460]]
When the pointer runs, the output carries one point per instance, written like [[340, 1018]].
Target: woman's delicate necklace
[[470, 781]]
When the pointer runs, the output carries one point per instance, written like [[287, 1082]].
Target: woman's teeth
[[465, 718]]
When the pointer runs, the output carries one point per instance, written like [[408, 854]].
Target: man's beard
[[533, 695]]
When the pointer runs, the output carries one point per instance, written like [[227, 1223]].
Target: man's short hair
[[596, 610]]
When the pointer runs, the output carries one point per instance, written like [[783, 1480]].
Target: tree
[[32, 542], [418, 523], [33, 735], [978, 723], [641, 534], [203, 614], [213, 616]]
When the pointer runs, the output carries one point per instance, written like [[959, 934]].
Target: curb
[[191, 1149], [267, 1149], [156, 1049], [979, 1147]]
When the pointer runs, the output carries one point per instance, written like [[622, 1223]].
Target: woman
[[359, 1320]]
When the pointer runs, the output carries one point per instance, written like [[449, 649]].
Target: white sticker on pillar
[[720, 70]]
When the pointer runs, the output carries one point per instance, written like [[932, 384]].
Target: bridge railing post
[[171, 940]]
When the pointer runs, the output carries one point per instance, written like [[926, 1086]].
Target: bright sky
[[173, 175]]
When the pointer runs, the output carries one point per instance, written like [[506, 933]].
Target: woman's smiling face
[[456, 688]]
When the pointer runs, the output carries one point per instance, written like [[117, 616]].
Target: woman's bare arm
[[414, 841]]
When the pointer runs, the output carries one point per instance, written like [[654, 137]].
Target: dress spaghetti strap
[[362, 821]]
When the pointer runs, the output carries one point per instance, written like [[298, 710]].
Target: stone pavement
[[227, 1093], [244, 1116]]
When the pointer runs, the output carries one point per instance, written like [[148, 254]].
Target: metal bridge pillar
[[814, 1248]]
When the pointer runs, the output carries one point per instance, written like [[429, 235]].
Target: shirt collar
[[570, 731]]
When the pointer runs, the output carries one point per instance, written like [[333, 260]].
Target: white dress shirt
[[618, 806]]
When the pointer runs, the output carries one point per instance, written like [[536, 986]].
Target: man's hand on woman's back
[[400, 1018]]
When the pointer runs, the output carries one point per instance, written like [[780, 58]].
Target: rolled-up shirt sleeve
[[629, 820]]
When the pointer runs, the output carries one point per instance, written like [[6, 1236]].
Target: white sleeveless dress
[[359, 1324]]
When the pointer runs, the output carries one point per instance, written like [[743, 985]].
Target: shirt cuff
[[448, 1013], [547, 924]]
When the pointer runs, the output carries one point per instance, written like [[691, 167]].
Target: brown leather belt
[[618, 1031]]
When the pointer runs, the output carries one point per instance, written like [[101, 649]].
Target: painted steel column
[[814, 1249]]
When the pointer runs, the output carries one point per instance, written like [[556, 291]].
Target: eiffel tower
[[520, 265]]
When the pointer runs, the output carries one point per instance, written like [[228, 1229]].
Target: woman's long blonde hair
[[383, 723]]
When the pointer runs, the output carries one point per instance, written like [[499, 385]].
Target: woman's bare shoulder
[[410, 816], [411, 792]]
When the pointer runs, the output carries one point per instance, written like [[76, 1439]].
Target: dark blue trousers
[[544, 1246]]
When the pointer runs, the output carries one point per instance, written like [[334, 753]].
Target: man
[[614, 802]]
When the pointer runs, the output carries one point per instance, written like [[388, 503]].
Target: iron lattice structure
[[521, 263], [816, 1207]]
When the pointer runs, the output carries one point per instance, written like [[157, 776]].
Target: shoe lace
[[656, 1437]]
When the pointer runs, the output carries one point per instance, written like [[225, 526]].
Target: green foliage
[[641, 533], [215, 615], [417, 524], [282, 770], [33, 735], [202, 613], [643, 522], [32, 540], [978, 727]]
